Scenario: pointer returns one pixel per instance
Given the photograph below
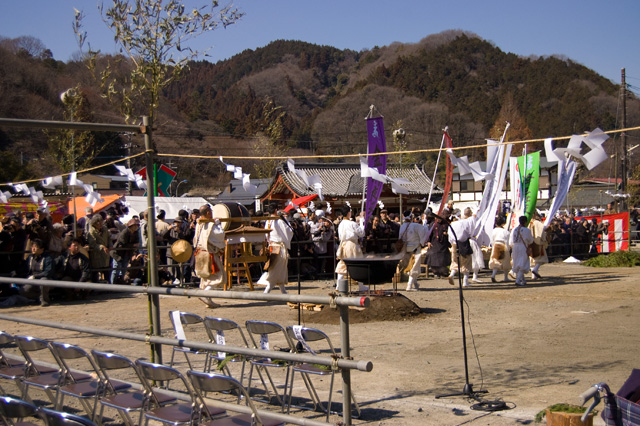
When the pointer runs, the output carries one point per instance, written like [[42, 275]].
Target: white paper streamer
[[247, 185], [52, 182], [237, 173], [131, 176]]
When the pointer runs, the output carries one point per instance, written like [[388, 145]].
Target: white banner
[[566, 173], [492, 192]]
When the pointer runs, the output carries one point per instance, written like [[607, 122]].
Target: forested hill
[[303, 96], [471, 76], [453, 78]]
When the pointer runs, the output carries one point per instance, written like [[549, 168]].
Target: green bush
[[565, 408], [615, 260]]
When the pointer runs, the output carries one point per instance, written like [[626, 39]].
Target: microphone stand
[[467, 390]]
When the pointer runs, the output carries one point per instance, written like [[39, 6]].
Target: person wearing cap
[[100, 246], [123, 250], [209, 237], [168, 237], [84, 222], [321, 234], [414, 234], [539, 249], [349, 233], [519, 241], [500, 256], [161, 226], [113, 224], [19, 242], [461, 250], [40, 227], [388, 230], [279, 245], [438, 255]]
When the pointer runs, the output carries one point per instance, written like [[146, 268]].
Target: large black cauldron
[[372, 270]]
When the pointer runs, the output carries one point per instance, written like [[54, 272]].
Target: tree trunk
[[558, 418]]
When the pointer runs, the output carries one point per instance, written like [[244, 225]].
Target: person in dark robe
[[439, 255]]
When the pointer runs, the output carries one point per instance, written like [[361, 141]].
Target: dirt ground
[[529, 346]]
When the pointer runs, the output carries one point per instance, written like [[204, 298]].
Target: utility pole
[[623, 136]]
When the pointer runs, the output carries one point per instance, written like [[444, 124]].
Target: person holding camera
[[321, 234]]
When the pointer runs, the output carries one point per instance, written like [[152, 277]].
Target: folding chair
[[210, 382], [124, 401], [178, 413], [37, 375], [13, 408], [181, 321], [10, 369], [6, 361], [313, 341], [61, 418], [262, 331], [80, 385], [216, 328]]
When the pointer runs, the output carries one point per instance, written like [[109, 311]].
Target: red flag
[[449, 176]]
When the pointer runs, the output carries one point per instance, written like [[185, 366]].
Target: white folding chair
[[210, 382], [220, 330], [264, 335], [124, 401], [36, 374], [176, 413], [181, 322], [13, 411], [313, 341]]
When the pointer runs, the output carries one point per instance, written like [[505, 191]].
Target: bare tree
[[154, 35], [71, 149]]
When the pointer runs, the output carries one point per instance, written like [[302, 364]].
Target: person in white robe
[[500, 256], [414, 235], [539, 253], [209, 237], [463, 231], [349, 234], [519, 241], [279, 245]]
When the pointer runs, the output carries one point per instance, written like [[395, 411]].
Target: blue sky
[[601, 35]]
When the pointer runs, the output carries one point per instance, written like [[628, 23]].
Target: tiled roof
[[234, 191], [340, 180]]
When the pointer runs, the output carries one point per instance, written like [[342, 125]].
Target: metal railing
[[340, 301]]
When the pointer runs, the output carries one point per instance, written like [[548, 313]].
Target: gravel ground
[[529, 346]]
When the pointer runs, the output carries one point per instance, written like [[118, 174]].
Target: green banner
[[530, 178]]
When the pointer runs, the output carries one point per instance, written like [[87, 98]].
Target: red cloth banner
[[449, 176], [616, 236]]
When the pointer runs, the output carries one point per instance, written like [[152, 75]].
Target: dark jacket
[[41, 266], [77, 267], [125, 245]]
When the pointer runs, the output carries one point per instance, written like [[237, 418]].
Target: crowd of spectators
[[100, 248]]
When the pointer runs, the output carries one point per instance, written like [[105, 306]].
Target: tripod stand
[[467, 390]]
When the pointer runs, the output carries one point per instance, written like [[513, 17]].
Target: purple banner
[[377, 143]]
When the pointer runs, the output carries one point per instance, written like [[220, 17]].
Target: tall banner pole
[[435, 170], [376, 144]]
